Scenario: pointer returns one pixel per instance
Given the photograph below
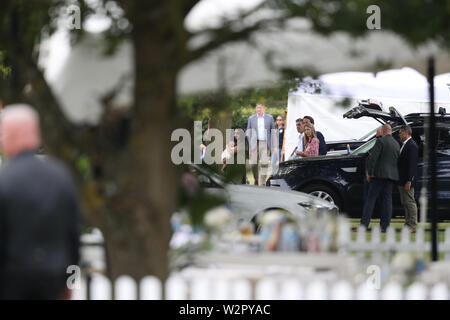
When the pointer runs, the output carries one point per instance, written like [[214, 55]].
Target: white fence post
[[266, 289], [243, 290], [101, 288], [446, 244], [420, 240], [150, 288], [439, 292], [291, 290], [364, 292], [392, 291], [341, 290], [317, 290], [176, 288], [405, 240], [416, 291], [125, 288], [344, 235]]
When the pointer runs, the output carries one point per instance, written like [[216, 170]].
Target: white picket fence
[[390, 244], [291, 281], [179, 288]]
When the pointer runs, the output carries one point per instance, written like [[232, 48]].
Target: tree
[[123, 166]]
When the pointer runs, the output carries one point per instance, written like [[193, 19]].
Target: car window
[[368, 135], [372, 133], [364, 148], [443, 146], [369, 145], [419, 137]]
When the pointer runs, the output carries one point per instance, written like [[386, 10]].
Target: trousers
[[410, 206], [382, 189]]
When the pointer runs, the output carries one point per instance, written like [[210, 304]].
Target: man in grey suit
[[259, 129], [382, 173]]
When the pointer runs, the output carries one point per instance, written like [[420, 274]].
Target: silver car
[[249, 200]]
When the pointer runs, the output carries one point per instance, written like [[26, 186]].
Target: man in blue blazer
[[259, 129], [407, 170]]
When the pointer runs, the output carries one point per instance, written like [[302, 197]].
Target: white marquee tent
[[405, 89]]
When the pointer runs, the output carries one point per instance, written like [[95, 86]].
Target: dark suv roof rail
[[418, 116]]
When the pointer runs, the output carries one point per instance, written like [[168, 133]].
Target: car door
[[248, 200], [362, 110], [443, 168]]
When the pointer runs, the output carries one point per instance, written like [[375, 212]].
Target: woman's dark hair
[[309, 118]]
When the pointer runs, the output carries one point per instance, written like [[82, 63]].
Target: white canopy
[[405, 89]]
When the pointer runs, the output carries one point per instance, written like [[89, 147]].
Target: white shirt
[[404, 144], [300, 146], [261, 128], [226, 154]]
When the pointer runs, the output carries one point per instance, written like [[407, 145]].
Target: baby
[[227, 154]]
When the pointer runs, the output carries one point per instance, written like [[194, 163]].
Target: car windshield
[[369, 144], [364, 148], [368, 135]]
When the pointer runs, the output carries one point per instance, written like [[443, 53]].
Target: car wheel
[[324, 192]]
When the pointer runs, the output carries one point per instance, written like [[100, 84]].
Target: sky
[[207, 13]]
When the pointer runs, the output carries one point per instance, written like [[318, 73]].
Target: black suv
[[340, 179]]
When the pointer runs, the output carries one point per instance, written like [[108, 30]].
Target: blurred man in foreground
[[39, 213]]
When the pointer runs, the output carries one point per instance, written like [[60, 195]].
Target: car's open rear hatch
[[372, 109]]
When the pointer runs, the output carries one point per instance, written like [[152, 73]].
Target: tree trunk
[[137, 227]]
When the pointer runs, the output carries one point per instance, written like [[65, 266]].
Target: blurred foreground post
[[432, 164]]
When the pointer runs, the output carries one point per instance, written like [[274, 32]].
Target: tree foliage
[[123, 163]]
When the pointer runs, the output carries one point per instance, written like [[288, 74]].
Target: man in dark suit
[[407, 170], [39, 214], [322, 144], [382, 174], [259, 133]]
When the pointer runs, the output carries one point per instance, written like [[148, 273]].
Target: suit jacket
[[383, 158], [407, 163], [252, 134], [39, 218], [322, 144]]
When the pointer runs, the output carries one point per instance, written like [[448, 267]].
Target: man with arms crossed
[[407, 170]]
